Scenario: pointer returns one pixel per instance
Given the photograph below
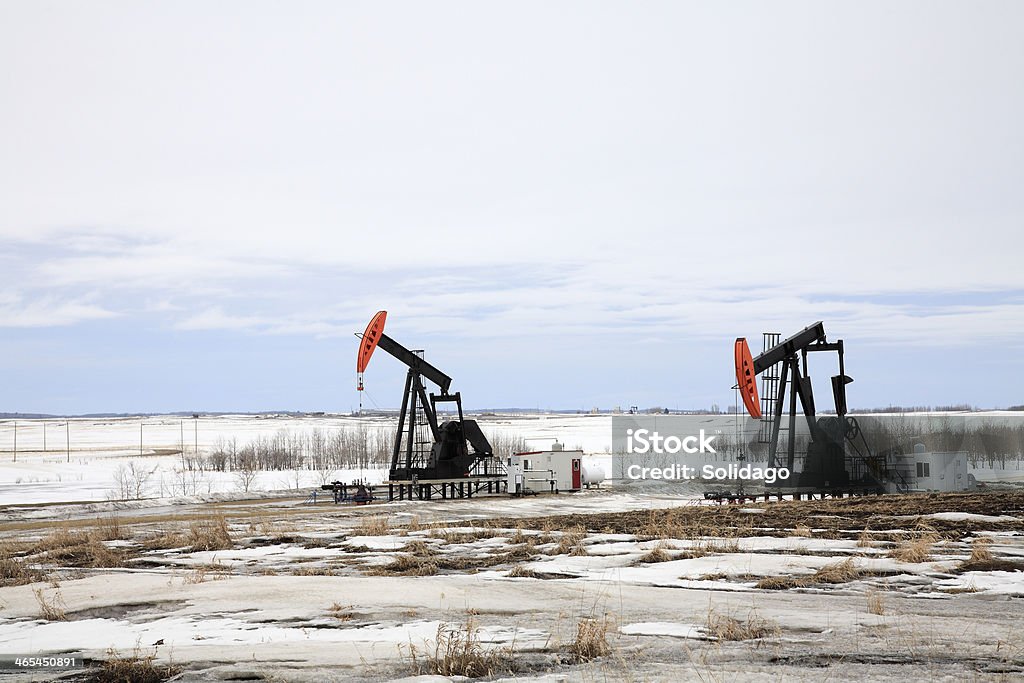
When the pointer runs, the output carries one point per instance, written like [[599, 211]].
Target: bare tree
[[131, 480], [246, 469]]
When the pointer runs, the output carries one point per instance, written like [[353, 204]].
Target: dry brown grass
[[210, 534], [830, 518], [373, 526], [994, 565], [15, 571], [980, 551], [970, 588], [340, 612], [52, 609], [754, 627], [458, 652], [571, 543], [453, 536], [865, 540], [67, 548], [781, 583], [579, 550], [982, 559], [313, 571], [315, 542], [134, 668], [109, 529], [540, 539], [655, 555], [406, 565], [419, 548], [61, 537], [518, 553], [914, 550], [519, 572], [924, 528], [591, 639], [837, 572], [876, 604], [802, 531], [206, 572], [670, 523], [711, 546], [166, 539], [463, 563]]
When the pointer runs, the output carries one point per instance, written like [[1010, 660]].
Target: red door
[[576, 473]]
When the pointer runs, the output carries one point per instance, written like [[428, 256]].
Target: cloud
[[215, 319], [293, 295], [741, 175], [48, 312]]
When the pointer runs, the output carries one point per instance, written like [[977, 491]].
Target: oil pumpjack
[[825, 464], [458, 445]]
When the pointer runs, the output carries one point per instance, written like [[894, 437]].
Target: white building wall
[[936, 471]]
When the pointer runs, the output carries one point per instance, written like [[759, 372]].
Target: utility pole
[[195, 422], [15, 441], [181, 442], [44, 437], [67, 430], [140, 438]]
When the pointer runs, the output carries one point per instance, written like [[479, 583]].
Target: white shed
[[546, 471], [935, 470]]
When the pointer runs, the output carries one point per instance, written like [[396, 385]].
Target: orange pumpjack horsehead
[[746, 378], [366, 348]]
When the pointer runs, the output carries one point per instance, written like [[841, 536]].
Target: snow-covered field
[[83, 459]]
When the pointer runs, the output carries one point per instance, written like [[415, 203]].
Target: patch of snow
[[664, 628], [970, 517], [272, 554], [40, 636], [608, 538], [1003, 583], [378, 542]]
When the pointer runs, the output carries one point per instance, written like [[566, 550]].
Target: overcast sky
[[565, 204]]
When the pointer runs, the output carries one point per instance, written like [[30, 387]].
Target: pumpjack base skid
[[446, 489]]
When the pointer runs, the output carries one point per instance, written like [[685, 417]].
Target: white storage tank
[[592, 475]]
